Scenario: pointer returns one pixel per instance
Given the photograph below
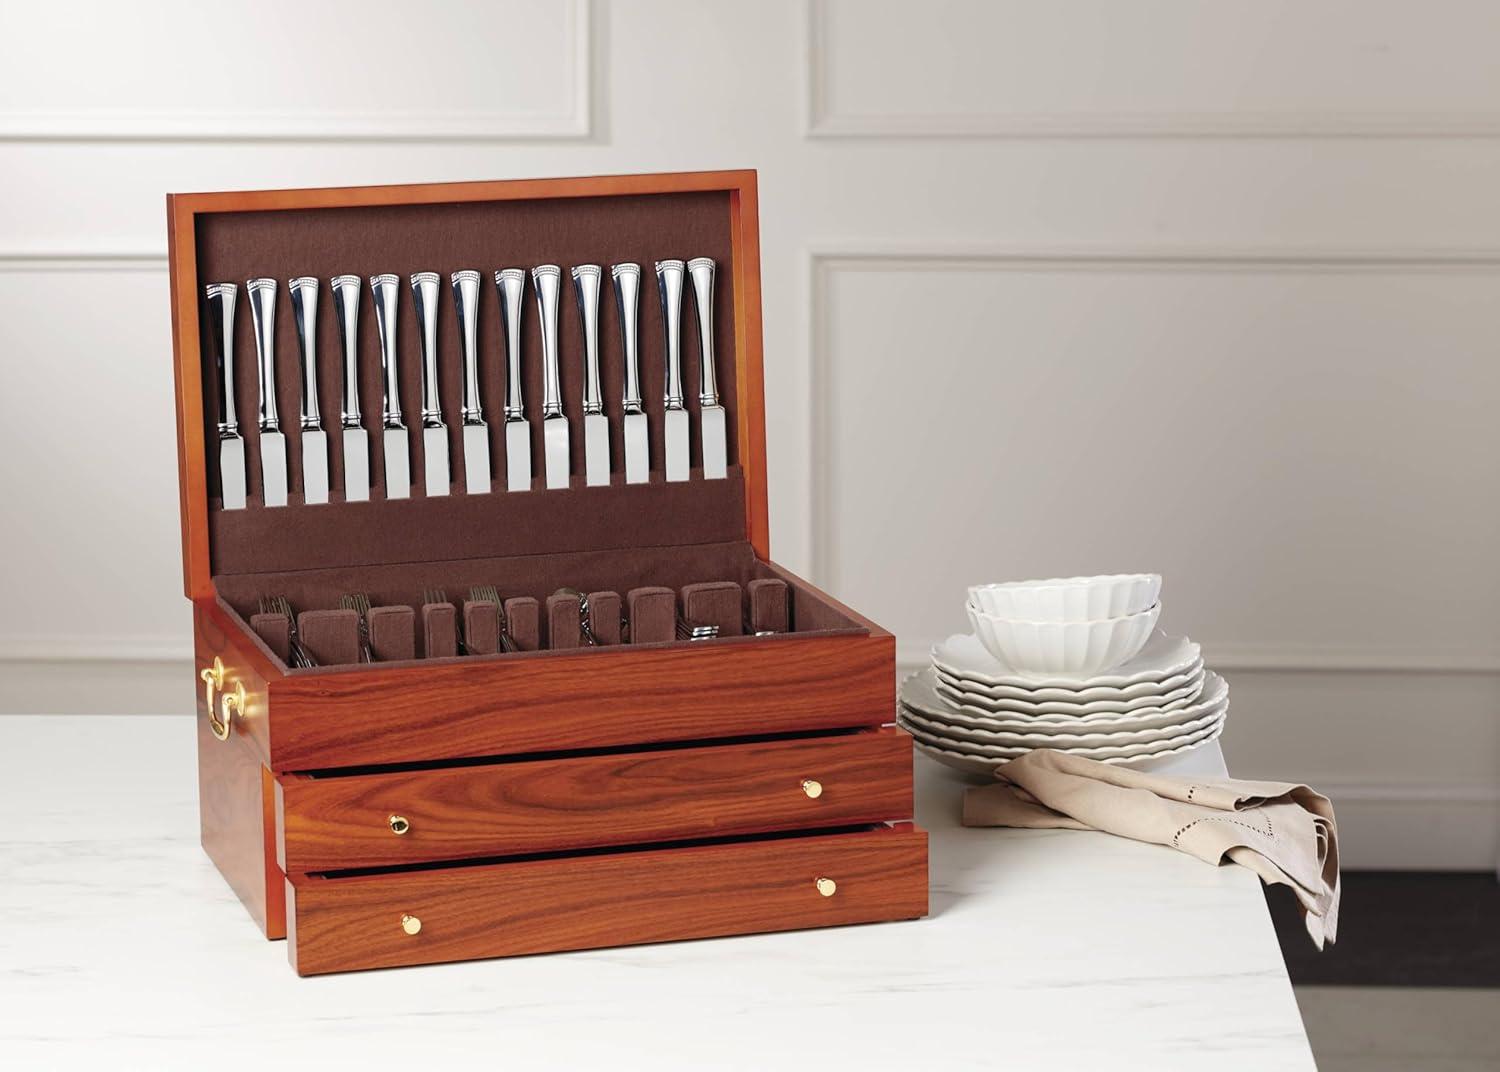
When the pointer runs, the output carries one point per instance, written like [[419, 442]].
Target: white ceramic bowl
[[1076, 649], [1069, 599]]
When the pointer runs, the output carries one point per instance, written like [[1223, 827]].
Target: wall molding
[[824, 261], [823, 121], [207, 125], [16, 261]]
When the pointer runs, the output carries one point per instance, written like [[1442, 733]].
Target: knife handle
[[346, 305], [669, 286], [424, 295], [586, 288], [263, 310], [221, 300], [510, 284], [701, 269], [466, 306], [546, 279], [385, 288], [627, 279], [304, 293]]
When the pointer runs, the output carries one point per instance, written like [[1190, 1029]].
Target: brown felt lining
[[481, 627], [719, 603], [402, 239], [653, 614], [524, 621], [439, 631], [564, 622], [331, 637], [393, 636], [604, 617], [768, 605]]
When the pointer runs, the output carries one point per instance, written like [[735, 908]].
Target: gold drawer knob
[[410, 924], [812, 787], [827, 887], [400, 824]]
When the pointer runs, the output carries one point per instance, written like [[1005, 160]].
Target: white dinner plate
[[919, 693], [1092, 739], [1169, 700], [1100, 752], [961, 655], [986, 767], [1144, 691]]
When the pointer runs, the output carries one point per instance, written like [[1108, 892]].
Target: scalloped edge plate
[[1143, 691], [1102, 739], [919, 693], [986, 767], [1180, 696], [989, 751], [962, 655]]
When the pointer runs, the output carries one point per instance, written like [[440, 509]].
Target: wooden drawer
[[333, 822], [620, 897]]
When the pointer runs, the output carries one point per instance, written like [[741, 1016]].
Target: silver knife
[[595, 423], [627, 297], [356, 440], [387, 291], [675, 419], [272, 440], [424, 295], [221, 300], [547, 279], [476, 433], [304, 292], [510, 283], [711, 413]]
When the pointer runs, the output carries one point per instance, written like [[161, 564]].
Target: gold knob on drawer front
[[410, 924], [400, 824], [812, 787], [826, 886]]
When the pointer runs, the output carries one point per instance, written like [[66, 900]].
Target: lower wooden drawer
[[619, 897], [548, 805]]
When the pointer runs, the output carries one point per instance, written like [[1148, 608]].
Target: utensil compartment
[[342, 819], [355, 920]]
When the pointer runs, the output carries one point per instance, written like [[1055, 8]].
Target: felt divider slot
[[768, 605], [719, 584], [331, 637]]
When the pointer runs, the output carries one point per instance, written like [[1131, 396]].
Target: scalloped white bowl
[[1069, 599], [1076, 649]]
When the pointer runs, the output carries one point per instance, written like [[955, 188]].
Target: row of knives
[[426, 289]]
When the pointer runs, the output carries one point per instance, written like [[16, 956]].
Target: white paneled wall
[[1049, 287]]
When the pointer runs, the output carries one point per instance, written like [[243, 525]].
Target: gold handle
[[400, 824], [826, 886], [231, 703], [410, 924], [812, 787]]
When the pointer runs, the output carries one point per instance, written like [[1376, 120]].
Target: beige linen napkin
[[1285, 833]]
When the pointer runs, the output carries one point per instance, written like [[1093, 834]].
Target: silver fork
[[360, 603], [489, 593], [281, 605], [585, 622]]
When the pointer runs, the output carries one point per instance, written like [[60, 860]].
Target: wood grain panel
[[329, 823], [535, 906], [602, 697]]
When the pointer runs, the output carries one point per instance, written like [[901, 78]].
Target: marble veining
[[1055, 949]]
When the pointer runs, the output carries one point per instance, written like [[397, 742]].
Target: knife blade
[[627, 279], [272, 439], [304, 294], [595, 423], [476, 432], [675, 419], [710, 412], [424, 295], [356, 440], [221, 302], [510, 284], [386, 289], [547, 280]]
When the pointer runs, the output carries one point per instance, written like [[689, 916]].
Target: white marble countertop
[[123, 948]]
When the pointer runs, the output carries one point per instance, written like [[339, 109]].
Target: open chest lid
[[364, 232]]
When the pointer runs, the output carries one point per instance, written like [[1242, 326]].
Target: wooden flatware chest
[[493, 658]]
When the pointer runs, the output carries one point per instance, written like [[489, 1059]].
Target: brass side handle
[[399, 824], [826, 886], [812, 787], [231, 701]]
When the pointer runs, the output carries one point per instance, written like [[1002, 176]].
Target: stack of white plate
[[973, 711]]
